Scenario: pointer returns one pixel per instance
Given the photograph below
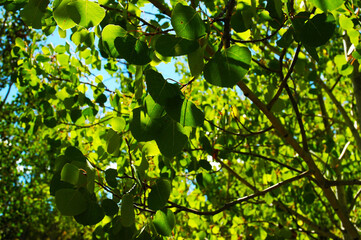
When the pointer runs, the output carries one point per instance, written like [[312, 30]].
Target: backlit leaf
[[164, 221], [327, 5], [70, 174], [169, 45], [318, 30], [109, 34], [187, 23], [62, 16], [70, 202], [228, 67], [133, 50], [159, 194], [110, 207], [33, 12], [85, 13], [143, 128], [127, 210], [184, 112], [92, 215], [159, 89], [171, 138]]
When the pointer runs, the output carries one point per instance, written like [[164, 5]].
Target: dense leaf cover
[[258, 138]]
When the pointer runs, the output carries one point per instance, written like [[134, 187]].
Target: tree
[[27, 210], [258, 138]]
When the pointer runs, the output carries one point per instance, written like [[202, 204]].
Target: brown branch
[[288, 138], [265, 67], [226, 39], [284, 81], [354, 200], [343, 182], [162, 8], [239, 200], [315, 227], [236, 175], [299, 118], [343, 112], [240, 134], [6, 96], [267, 159]]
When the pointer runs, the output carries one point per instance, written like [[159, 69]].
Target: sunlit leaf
[[164, 221], [187, 23], [228, 67]]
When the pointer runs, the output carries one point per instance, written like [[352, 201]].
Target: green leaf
[[109, 34], [110, 207], [160, 89], [241, 20], [345, 22], [85, 13], [286, 39], [164, 221], [159, 194], [170, 45], [91, 216], [327, 5], [111, 177], [74, 154], [184, 112], [70, 174], [113, 142], [142, 127], [133, 50], [274, 7], [171, 138], [33, 12], [62, 16], [154, 110], [205, 164], [318, 30], [127, 211], [70, 202], [187, 23], [228, 67], [312, 51], [195, 61], [118, 124]]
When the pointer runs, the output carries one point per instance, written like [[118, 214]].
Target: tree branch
[[288, 138], [239, 200], [298, 116], [236, 175], [344, 114], [284, 81], [6, 96], [268, 159], [227, 24], [162, 8]]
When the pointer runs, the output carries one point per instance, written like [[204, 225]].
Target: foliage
[[27, 210], [259, 138]]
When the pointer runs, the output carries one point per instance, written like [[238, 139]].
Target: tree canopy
[[257, 138]]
